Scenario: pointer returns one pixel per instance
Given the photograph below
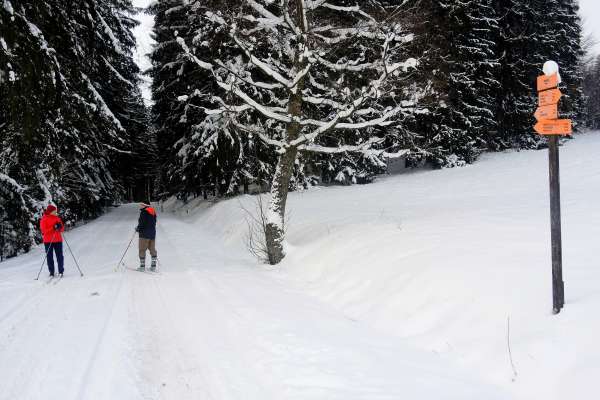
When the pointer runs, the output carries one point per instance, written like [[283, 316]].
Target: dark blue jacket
[[147, 223]]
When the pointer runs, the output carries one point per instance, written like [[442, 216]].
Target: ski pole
[[72, 255], [46, 257], [124, 253]]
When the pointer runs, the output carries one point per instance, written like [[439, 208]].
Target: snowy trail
[[51, 335], [211, 325]]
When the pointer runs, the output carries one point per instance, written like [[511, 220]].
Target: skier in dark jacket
[[147, 232], [52, 226]]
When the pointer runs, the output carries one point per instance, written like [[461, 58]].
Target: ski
[[55, 282], [50, 278], [147, 271]]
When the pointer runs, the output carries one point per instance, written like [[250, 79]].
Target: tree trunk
[[275, 228]]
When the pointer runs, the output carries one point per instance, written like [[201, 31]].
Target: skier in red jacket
[[51, 226]]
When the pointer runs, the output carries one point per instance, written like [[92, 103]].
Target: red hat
[[51, 208]]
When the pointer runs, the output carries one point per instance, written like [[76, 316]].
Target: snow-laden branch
[[261, 64], [342, 111], [100, 101], [266, 14], [322, 101], [305, 58], [110, 33], [349, 66], [7, 179], [267, 140], [117, 73], [323, 127], [269, 112], [360, 148], [248, 80], [384, 120], [200, 63], [288, 19], [354, 9]]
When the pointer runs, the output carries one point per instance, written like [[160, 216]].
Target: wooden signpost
[[547, 112], [554, 127], [549, 97], [549, 124]]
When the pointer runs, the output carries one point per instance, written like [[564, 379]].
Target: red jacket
[[49, 234]]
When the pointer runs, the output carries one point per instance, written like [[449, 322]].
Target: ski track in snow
[[212, 325]]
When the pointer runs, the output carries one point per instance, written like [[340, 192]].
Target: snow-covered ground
[[397, 290]]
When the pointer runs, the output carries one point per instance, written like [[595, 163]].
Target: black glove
[[137, 228], [57, 226]]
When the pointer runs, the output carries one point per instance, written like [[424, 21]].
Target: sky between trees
[[590, 12]]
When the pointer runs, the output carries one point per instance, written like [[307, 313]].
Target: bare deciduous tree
[[306, 68]]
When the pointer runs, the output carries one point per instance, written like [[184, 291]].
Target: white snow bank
[[442, 260]]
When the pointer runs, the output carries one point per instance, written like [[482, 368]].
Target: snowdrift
[[456, 262]]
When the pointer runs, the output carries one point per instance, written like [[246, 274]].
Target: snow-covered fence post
[[549, 124]]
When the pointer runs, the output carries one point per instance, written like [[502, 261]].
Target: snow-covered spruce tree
[[116, 76], [591, 87], [294, 85], [524, 47], [60, 139], [21, 51], [521, 47], [171, 77], [199, 153], [458, 76], [568, 51]]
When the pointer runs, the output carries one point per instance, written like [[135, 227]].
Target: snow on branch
[[265, 13], [296, 69], [117, 73], [349, 66], [361, 148], [7, 179], [267, 140], [248, 80], [260, 64], [103, 107], [110, 33], [381, 121], [8, 7], [186, 49], [353, 9]]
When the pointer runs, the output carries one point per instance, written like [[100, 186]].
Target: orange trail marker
[[546, 82], [554, 127], [549, 97], [547, 112]]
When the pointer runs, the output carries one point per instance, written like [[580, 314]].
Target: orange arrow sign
[[549, 97], [546, 82], [556, 127], [547, 112]]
